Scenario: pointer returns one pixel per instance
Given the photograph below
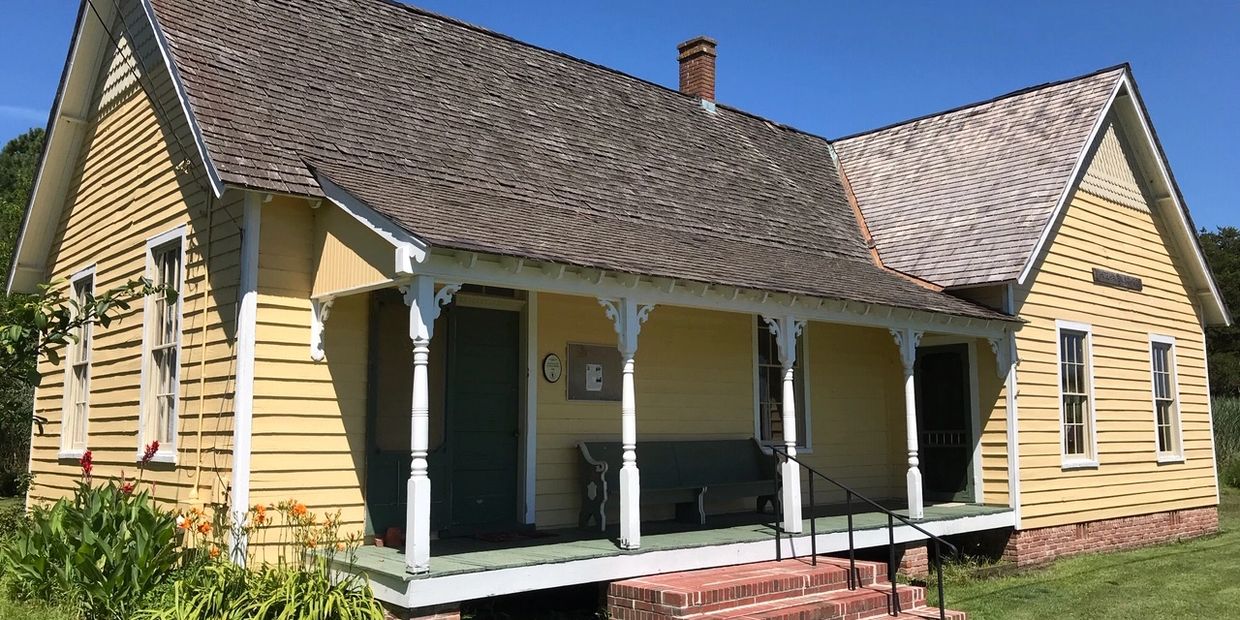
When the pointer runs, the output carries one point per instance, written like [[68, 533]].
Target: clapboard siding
[[135, 177], [309, 417], [1098, 231], [695, 380], [349, 255]]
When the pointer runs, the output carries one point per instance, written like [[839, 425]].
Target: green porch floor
[[471, 555]]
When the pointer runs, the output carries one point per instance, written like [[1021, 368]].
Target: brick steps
[[788, 590]]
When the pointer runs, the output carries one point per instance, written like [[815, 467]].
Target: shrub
[[225, 591], [1227, 433], [12, 519], [106, 549]]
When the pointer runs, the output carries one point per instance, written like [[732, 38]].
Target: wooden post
[[786, 331], [424, 304], [907, 340], [627, 317]]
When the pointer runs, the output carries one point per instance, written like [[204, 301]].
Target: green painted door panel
[[945, 422], [482, 418]]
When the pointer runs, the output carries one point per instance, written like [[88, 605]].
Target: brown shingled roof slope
[[962, 197], [472, 140]]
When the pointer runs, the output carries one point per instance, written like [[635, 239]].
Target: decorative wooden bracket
[[907, 340], [786, 331], [320, 309], [627, 317]]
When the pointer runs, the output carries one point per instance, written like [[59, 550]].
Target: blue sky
[[834, 68]]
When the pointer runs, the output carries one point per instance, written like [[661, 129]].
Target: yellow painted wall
[[695, 379], [136, 177], [349, 255], [309, 417], [1097, 232]]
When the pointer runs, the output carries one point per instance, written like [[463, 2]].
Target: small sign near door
[[593, 372]]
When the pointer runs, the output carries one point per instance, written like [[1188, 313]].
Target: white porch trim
[[428, 591], [907, 341]]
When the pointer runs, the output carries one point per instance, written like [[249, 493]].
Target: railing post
[[813, 525], [938, 555], [891, 564], [852, 549]]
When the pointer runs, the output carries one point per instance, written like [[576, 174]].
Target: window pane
[[1074, 392]]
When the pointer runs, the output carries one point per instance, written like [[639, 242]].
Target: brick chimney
[[697, 67]]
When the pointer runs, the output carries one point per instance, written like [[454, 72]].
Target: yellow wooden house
[[528, 321]]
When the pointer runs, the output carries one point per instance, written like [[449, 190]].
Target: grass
[[1194, 579]]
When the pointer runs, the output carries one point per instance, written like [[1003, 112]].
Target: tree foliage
[[18, 161], [1222, 248]]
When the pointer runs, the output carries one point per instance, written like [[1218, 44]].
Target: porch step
[[788, 590]]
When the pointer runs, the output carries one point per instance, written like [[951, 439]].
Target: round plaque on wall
[[552, 368]]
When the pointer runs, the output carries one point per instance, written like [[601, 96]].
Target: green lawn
[[1195, 579]]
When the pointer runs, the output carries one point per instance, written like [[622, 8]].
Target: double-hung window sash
[[1165, 413], [164, 337], [77, 385], [1074, 391]]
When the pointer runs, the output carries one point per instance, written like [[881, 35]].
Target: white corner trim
[[1205, 368], [217, 185], [1078, 171], [1011, 389], [166, 453], [409, 250], [1074, 462], [1178, 428], [243, 397]]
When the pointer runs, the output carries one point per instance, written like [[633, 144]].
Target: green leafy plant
[[108, 548]]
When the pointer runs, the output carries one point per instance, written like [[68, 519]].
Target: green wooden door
[[482, 407], [945, 422]]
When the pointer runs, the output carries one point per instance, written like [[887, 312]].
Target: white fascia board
[[1078, 171], [409, 250], [489, 271], [217, 185], [24, 275]]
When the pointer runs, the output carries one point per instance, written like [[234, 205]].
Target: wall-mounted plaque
[[552, 368], [593, 372], [1116, 279]]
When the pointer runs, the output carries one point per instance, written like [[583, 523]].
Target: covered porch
[[484, 375]]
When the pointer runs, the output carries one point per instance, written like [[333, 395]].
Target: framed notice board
[[593, 372]]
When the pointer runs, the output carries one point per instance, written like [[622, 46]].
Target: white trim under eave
[[1078, 171], [410, 250], [217, 185], [243, 398]]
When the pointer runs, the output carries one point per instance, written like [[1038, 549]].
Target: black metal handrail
[[893, 607]]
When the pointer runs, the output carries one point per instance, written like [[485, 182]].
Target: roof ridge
[[400, 4], [1022, 91]]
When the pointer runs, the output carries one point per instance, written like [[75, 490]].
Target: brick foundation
[[914, 560], [1041, 545]]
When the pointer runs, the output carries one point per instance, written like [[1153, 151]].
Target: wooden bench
[[680, 473]]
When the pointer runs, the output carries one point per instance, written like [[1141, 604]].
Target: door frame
[[935, 340], [527, 447]]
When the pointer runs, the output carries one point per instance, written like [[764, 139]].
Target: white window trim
[[1070, 461], [166, 453], [805, 445], [66, 451], [1178, 426]]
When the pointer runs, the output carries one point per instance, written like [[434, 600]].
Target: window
[[1076, 394], [73, 432], [163, 337], [1166, 407], [770, 389]]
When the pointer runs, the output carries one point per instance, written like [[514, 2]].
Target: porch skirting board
[[429, 590], [1039, 546]]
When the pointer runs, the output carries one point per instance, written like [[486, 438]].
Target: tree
[[18, 161], [1222, 249]]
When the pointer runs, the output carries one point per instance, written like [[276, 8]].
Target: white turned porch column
[[907, 340], [786, 331], [627, 317], [424, 304]]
